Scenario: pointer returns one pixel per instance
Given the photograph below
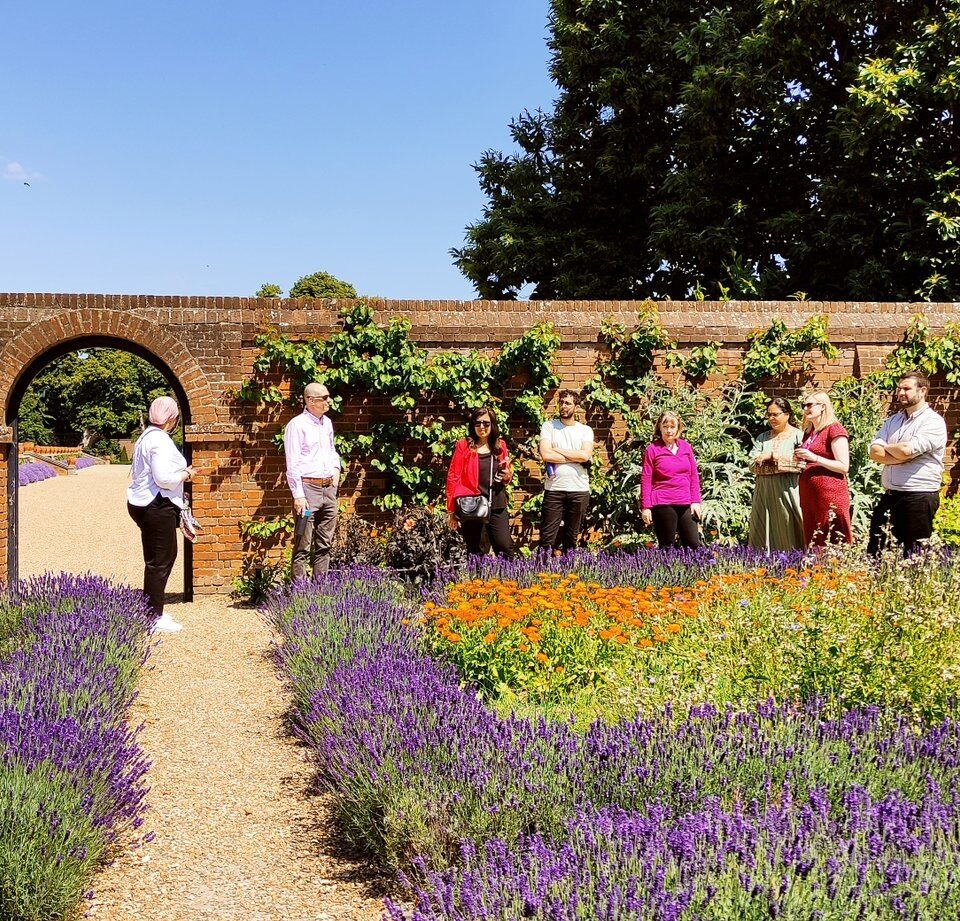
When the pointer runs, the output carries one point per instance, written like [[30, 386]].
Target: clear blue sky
[[208, 147]]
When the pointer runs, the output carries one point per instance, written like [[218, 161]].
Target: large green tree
[[768, 146], [90, 395]]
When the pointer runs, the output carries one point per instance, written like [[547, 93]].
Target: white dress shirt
[[310, 450], [926, 433], [157, 468]]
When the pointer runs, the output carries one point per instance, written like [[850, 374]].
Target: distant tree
[[86, 396], [765, 147], [322, 284], [270, 290]]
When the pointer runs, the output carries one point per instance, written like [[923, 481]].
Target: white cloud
[[17, 172]]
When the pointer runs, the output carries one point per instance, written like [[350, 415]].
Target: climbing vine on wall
[[409, 446]]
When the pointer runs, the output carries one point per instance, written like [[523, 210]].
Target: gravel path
[[237, 836]]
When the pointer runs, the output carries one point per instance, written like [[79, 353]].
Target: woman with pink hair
[[155, 499]]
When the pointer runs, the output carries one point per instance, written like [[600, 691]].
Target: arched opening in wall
[[74, 414]]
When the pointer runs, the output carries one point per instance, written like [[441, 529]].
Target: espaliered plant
[[367, 358]]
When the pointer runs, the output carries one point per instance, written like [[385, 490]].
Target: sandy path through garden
[[236, 835]]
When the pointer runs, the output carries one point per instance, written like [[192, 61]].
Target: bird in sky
[[27, 184]]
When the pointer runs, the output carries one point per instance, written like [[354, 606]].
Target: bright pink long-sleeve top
[[668, 478]]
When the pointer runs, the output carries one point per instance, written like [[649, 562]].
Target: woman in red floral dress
[[825, 457]]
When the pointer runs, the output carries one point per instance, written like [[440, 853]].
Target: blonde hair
[[666, 414], [827, 417]]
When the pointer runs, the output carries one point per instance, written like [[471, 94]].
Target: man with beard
[[910, 447], [566, 446]]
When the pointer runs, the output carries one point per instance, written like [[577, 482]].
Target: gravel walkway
[[237, 836]]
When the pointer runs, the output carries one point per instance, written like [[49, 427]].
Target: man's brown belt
[[318, 480]]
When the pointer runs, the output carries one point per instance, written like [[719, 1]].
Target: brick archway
[[26, 354], [21, 353]]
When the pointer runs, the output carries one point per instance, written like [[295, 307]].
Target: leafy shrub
[[358, 542], [947, 522], [258, 577], [421, 542]]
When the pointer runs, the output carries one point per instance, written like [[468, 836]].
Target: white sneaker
[[166, 624]]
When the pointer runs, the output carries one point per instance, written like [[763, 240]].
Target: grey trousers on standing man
[[314, 535]]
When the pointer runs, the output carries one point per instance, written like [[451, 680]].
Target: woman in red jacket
[[480, 466]]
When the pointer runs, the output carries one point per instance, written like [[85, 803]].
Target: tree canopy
[[89, 395], [753, 149]]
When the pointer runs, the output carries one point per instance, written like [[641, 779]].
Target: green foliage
[[752, 148], [321, 284], [49, 844], [411, 449], [98, 393], [258, 578], [771, 352], [699, 364], [921, 350], [269, 290]]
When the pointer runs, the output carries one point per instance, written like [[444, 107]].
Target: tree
[[322, 284], [86, 396], [269, 290], [767, 148]]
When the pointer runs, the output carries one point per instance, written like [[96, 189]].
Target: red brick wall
[[208, 343]]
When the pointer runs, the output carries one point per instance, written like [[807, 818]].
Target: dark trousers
[[566, 508], [497, 529], [673, 522], [909, 516], [158, 534]]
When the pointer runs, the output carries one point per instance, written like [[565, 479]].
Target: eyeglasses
[[808, 405], [775, 415], [482, 424], [326, 396]]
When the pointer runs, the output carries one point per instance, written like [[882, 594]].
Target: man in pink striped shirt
[[313, 472]]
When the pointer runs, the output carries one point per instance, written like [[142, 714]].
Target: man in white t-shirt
[[910, 446], [566, 446]]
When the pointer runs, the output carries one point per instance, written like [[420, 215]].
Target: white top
[[157, 468], [571, 476], [310, 450], [926, 433]]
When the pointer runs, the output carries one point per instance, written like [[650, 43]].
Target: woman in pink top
[[670, 485]]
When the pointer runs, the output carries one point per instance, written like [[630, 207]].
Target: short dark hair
[[783, 404], [921, 378], [493, 436], [569, 393]]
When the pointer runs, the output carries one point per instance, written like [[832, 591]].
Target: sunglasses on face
[[485, 424], [808, 405]]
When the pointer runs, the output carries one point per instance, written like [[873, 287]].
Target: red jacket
[[463, 477]]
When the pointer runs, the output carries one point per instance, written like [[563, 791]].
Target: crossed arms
[[552, 455]]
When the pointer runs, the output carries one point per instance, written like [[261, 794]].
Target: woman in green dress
[[775, 519]]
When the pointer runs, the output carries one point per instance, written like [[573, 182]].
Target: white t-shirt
[[569, 477]]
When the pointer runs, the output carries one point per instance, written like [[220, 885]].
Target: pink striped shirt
[[310, 450]]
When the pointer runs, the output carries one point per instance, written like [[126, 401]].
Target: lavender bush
[[71, 772], [34, 472], [771, 811], [84, 462]]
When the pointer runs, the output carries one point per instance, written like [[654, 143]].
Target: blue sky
[[208, 147]]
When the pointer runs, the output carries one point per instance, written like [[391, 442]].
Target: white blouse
[[157, 468]]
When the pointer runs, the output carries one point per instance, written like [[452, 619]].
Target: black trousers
[[566, 508], [910, 518], [497, 529], [158, 534], [673, 522]]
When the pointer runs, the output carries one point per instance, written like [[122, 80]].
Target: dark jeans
[[158, 534], [497, 528], [671, 522], [567, 508], [910, 517]]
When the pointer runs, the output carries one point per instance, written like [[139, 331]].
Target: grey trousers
[[313, 536]]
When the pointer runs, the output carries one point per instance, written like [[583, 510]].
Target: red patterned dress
[[824, 496]]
